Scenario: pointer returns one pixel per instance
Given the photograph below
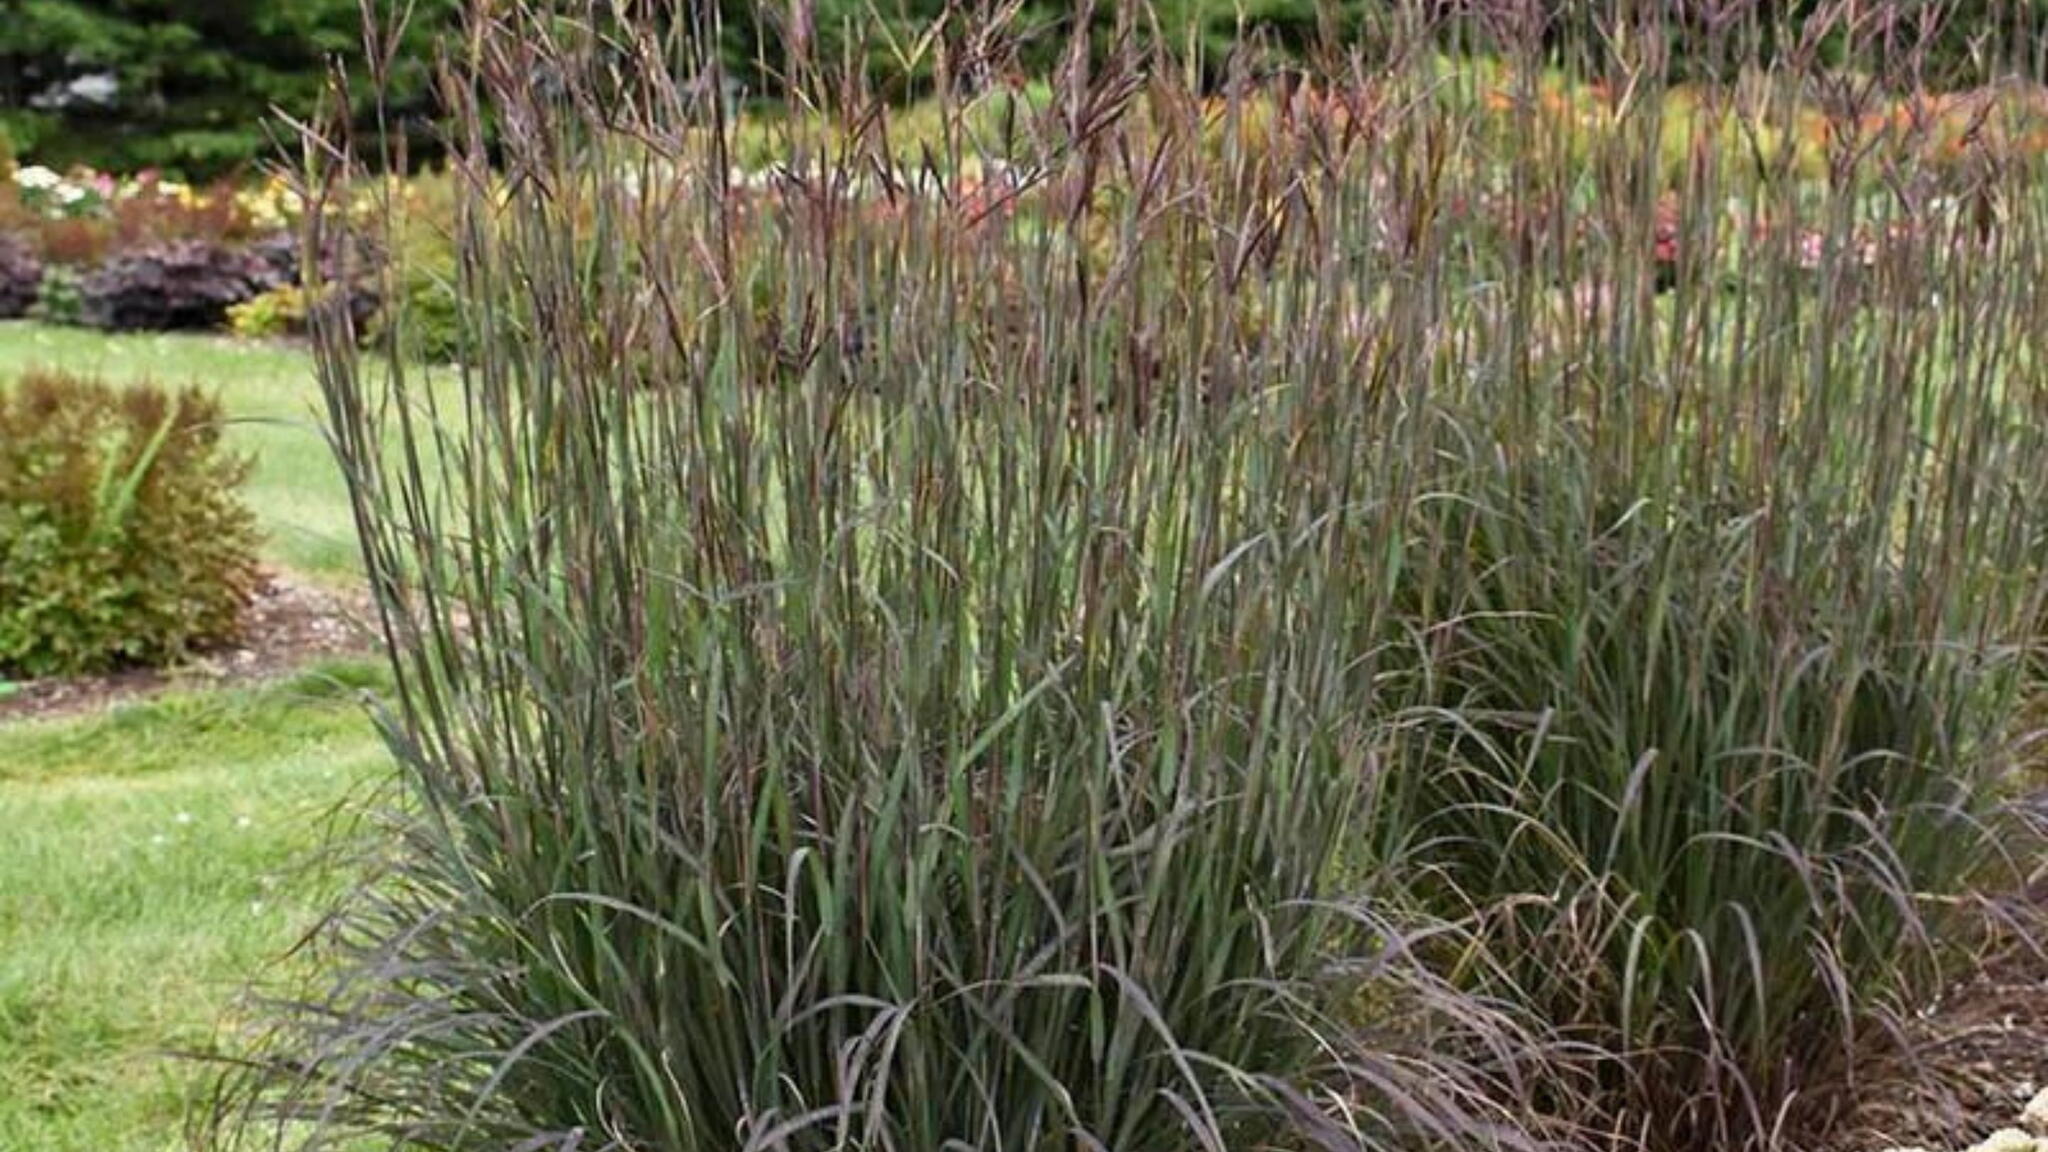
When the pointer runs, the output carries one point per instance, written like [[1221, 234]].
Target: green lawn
[[154, 863], [154, 858], [270, 392]]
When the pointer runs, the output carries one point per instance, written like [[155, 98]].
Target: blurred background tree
[[183, 85]]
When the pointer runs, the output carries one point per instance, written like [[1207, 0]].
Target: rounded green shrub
[[422, 310], [122, 540], [278, 312], [58, 299], [432, 329]]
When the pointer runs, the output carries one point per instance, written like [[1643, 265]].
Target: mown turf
[[269, 390], [154, 861]]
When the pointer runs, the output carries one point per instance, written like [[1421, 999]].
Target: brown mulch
[[288, 625]]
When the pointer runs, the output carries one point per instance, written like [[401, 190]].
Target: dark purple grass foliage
[[1133, 618]]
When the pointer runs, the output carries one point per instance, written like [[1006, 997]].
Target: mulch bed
[[288, 625]]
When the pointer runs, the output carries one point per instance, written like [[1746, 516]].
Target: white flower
[[184, 817], [37, 177], [96, 88], [69, 194], [2035, 1116]]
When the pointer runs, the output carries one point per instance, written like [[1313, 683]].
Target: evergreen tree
[[186, 85]]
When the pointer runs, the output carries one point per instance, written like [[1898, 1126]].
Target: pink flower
[[1812, 246]]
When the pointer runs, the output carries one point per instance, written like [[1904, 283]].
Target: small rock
[[2034, 1118], [2008, 1140]]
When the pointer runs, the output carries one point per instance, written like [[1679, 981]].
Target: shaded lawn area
[[154, 863], [269, 390]]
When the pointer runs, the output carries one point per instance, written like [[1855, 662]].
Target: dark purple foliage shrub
[[351, 262], [278, 252], [21, 273], [182, 284]]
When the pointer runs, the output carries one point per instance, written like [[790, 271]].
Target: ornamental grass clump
[[1718, 617], [1721, 820], [838, 707]]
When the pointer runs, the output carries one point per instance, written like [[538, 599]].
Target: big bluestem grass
[[1719, 619], [872, 671], [1183, 619]]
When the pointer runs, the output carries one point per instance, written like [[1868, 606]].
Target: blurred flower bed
[[140, 251], [144, 251]]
